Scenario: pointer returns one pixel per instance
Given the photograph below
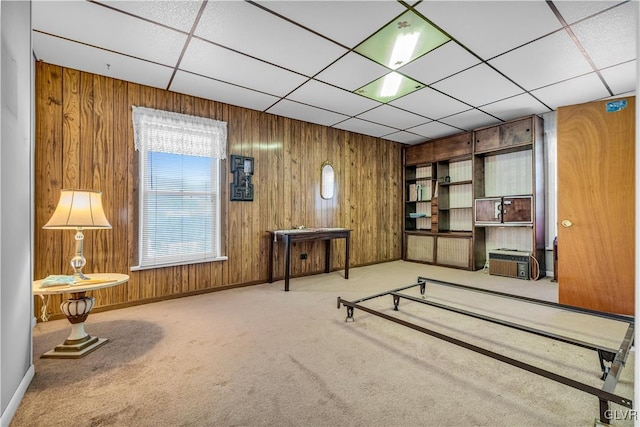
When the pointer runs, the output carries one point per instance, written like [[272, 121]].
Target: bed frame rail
[[610, 374]]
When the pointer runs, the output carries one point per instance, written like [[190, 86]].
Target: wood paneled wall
[[84, 139]]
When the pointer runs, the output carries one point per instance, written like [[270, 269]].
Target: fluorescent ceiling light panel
[[390, 84], [403, 49], [401, 41], [395, 45], [389, 87]]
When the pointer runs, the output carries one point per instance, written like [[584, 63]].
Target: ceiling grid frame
[[64, 35]]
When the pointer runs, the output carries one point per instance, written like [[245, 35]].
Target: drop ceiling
[[299, 59]]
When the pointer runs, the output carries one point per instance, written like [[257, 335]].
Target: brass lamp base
[[71, 350]]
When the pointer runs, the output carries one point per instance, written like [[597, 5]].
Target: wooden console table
[[299, 235]]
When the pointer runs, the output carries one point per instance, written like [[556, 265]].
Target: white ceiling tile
[[306, 113], [442, 62], [430, 103], [69, 54], [622, 78], [178, 14], [622, 95], [364, 127], [490, 28], [575, 91], [328, 97], [352, 71], [435, 130], [346, 22], [223, 64], [260, 51], [516, 106], [470, 120], [393, 117], [258, 33], [543, 62], [573, 11], [203, 87], [405, 138], [611, 37], [466, 86], [99, 26]]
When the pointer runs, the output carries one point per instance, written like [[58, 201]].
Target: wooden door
[[596, 205]]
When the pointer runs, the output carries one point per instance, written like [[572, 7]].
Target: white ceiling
[[295, 59]]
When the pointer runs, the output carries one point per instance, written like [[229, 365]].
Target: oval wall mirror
[[327, 181]]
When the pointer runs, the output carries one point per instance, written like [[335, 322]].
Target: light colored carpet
[[258, 356]]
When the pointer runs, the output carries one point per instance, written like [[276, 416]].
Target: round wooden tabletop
[[95, 281]]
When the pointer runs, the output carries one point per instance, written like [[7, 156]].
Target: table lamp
[[78, 210]]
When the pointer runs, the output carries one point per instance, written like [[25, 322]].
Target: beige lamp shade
[[78, 209]]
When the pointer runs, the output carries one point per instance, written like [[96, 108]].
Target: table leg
[[287, 261], [327, 255], [271, 260], [79, 343], [346, 256]]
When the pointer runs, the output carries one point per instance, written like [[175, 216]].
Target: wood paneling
[[84, 139]]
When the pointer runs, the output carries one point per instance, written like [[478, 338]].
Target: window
[[179, 206]]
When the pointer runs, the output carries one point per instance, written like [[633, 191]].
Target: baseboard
[[14, 403], [117, 306]]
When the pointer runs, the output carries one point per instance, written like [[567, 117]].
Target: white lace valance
[[167, 132]]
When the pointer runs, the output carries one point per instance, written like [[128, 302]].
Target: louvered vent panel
[[460, 171], [508, 174], [424, 223], [453, 251], [460, 196], [423, 172], [509, 238], [420, 248], [460, 220]]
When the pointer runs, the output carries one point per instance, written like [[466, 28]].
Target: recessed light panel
[[403, 40], [389, 87], [398, 43]]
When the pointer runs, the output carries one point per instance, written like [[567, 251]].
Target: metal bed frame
[[612, 360]]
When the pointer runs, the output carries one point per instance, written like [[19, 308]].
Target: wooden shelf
[[508, 164], [505, 159], [447, 159], [447, 184], [516, 134], [455, 233]]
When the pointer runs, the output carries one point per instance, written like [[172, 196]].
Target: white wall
[[16, 207]]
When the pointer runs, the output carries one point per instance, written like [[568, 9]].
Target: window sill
[[177, 263]]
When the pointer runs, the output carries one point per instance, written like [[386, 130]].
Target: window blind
[[179, 209]]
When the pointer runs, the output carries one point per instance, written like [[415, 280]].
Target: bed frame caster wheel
[[349, 315], [396, 302]]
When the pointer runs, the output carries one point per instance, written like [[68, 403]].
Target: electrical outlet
[[303, 256]]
